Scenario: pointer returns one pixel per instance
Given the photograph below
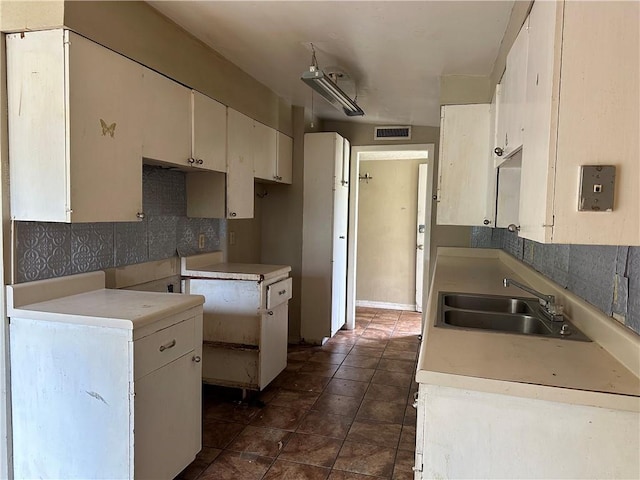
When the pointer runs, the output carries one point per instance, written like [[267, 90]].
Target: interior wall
[[465, 89], [361, 134], [387, 216], [282, 220]]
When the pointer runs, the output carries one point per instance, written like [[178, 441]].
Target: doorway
[[365, 158]]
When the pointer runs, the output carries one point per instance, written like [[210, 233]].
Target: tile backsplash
[[45, 250], [606, 276]]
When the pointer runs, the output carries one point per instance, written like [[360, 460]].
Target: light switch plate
[[597, 188]]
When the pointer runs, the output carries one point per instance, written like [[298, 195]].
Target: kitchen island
[[519, 406]]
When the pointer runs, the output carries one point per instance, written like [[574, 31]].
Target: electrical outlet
[[201, 241], [232, 238]]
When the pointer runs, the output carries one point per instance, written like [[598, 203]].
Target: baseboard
[[386, 305]]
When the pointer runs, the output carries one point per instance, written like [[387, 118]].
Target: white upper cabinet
[[284, 163], [209, 133], [512, 99], [74, 129], [166, 120], [582, 109], [466, 183], [273, 153], [240, 151], [265, 151]]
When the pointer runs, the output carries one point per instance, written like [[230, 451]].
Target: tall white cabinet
[[324, 235]]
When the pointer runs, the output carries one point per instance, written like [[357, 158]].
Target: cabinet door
[[239, 165], [167, 418], [273, 343], [66, 166], [513, 97], [105, 175], [209, 133], [339, 240], [538, 158], [284, 163], [167, 120], [265, 151], [467, 175]]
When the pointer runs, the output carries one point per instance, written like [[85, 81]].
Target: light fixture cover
[[322, 84]]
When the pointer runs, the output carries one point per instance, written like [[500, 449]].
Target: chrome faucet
[[550, 309]]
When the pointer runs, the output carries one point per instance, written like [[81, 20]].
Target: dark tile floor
[[339, 412]]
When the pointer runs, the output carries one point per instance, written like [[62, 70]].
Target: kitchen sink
[[488, 303], [496, 313], [496, 321]]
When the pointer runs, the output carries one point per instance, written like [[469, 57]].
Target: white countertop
[[209, 266], [578, 372], [82, 299]]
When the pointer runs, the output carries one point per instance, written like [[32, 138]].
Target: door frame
[[382, 152]]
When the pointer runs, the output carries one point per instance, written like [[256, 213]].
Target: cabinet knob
[[191, 161], [498, 151], [270, 312], [486, 222], [282, 292], [435, 197], [513, 228], [196, 359], [232, 214], [140, 215], [200, 161]]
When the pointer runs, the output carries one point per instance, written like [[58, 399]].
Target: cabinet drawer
[[278, 293], [162, 347]]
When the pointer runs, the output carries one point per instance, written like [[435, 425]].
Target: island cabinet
[[466, 176], [104, 383], [583, 106], [245, 319], [75, 129]]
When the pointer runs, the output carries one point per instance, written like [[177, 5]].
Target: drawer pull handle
[[196, 359], [282, 292], [167, 346]]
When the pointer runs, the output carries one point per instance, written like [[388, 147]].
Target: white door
[[340, 215], [421, 227]]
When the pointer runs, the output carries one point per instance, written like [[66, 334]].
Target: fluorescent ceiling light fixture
[[322, 84]]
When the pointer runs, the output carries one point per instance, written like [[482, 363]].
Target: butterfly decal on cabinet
[[108, 129]]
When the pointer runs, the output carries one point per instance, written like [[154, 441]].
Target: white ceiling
[[394, 51]]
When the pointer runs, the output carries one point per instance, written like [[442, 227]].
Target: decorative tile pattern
[[163, 232], [164, 192], [43, 250], [131, 243], [92, 247]]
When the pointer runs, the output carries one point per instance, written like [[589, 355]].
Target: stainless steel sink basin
[[496, 321], [488, 303], [496, 313]]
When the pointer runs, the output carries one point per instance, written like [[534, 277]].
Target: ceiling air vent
[[392, 133]]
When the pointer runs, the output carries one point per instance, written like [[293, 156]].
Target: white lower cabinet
[[464, 433], [105, 383]]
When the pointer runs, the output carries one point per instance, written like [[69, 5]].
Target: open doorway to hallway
[[388, 243]]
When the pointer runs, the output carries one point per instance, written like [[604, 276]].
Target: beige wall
[[464, 89], [361, 134], [387, 212]]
